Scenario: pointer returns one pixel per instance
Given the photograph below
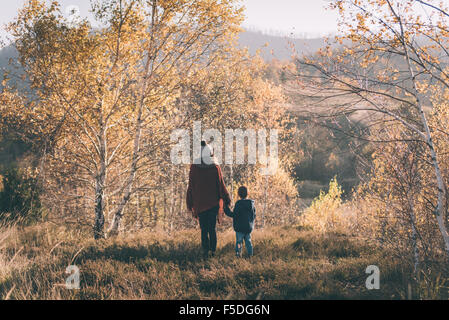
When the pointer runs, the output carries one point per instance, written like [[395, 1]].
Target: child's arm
[[228, 211], [254, 213]]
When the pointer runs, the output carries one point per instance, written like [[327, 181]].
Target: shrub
[[19, 196], [324, 214]]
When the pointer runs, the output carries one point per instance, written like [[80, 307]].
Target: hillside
[[278, 47], [289, 263]]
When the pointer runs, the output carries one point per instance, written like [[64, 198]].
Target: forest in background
[[316, 163]]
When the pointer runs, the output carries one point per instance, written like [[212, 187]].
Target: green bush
[[19, 196], [324, 213]]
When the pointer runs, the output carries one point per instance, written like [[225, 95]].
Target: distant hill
[[7, 53], [279, 47]]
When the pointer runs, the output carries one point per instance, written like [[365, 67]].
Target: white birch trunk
[[118, 214], [100, 180], [231, 167], [265, 201], [172, 199], [440, 210], [414, 236]]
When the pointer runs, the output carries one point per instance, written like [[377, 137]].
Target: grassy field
[[289, 263]]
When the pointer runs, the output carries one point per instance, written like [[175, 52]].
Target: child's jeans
[[239, 243]]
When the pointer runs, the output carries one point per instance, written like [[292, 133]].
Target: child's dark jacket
[[243, 216]]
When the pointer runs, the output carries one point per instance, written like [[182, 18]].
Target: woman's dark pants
[[208, 221]]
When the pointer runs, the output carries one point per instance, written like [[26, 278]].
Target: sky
[[300, 17]]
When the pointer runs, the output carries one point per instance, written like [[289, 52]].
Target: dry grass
[[289, 263]]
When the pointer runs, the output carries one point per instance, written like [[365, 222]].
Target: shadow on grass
[[175, 253]]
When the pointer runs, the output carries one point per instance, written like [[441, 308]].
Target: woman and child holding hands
[[208, 200]]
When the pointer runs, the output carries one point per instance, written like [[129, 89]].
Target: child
[[243, 220]]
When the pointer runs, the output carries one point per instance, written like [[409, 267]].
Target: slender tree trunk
[[440, 211], [113, 230], [99, 208], [155, 215], [139, 216], [100, 180], [265, 201], [172, 197], [151, 210], [165, 220], [414, 236], [231, 180], [181, 193]]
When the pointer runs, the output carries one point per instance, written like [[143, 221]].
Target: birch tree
[[103, 97], [401, 45]]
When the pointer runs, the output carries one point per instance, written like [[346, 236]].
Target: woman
[[205, 197]]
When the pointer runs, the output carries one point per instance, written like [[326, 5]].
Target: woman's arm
[[223, 192], [220, 210]]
